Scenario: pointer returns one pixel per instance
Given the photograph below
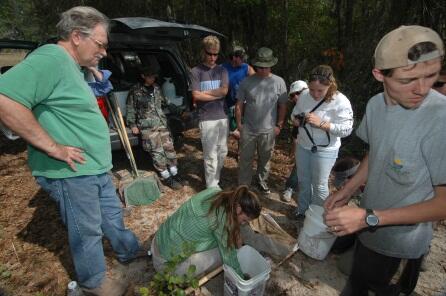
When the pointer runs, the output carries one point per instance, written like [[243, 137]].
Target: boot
[[172, 183], [108, 287]]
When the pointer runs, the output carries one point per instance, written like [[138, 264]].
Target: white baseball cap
[[297, 86]]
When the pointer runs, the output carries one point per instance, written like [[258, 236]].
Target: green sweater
[[192, 224]]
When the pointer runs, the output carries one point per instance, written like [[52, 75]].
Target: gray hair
[[81, 18]]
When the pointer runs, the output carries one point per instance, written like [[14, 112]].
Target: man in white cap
[[261, 99], [405, 168]]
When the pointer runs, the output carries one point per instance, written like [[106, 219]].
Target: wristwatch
[[370, 218]]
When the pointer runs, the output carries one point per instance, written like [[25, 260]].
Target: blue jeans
[[313, 170], [90, 208]]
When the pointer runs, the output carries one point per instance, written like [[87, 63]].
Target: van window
[[9, 57]]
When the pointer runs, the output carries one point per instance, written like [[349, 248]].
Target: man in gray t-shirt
[[261, 104], [404, 171]]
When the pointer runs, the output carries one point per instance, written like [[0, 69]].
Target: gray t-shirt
[[407, 158], [261, 96], [205, 78]]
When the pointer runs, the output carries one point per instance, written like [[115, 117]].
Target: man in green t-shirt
[[46, 101]]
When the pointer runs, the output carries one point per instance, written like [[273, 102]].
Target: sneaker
[[287, 194], [172, 183], [236, 134], [108, 287], [263, 187]]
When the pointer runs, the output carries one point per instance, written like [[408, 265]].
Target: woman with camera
[[324, 116]]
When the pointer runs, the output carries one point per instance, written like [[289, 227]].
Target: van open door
[[13, 52]]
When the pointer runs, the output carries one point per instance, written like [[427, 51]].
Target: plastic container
[[73, 289], [177, 101], [253, 264], [121, 96], [314, 239], [169, 89]]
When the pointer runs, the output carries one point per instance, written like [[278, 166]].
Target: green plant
[[4, 272], [167, 283]]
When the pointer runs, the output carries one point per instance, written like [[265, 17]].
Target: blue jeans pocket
[[51, 186]]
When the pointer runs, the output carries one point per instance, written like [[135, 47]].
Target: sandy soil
[[34, 253]]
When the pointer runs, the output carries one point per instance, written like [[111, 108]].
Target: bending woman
[[324, 116], [210, 223]]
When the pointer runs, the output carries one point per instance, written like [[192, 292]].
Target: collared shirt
[[101, 87], [192, 224]]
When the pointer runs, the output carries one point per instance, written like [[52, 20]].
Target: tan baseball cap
[[392, 50]]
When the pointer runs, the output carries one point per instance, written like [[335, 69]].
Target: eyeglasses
[[439, 84], [211, 54], [100, 44], [297, 93]]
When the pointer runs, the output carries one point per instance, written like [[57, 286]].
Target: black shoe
[[180, 180], [172, 183]]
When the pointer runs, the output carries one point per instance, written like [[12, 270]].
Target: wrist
[[371, 219], [51, 148]]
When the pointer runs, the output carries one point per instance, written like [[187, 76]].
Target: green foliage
[[17, 20], [4, 272], [166, 282]]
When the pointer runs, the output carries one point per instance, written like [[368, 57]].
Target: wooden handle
[[205, 279], [120, 132], [126, 138]]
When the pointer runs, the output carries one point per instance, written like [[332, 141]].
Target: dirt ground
[[35, 258]]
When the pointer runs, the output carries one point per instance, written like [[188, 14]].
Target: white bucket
[[314, 239], [252, 263], [177, 100]]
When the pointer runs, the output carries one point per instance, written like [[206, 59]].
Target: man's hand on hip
[[68, 154]]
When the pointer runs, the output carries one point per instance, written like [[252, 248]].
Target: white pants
[[204, 262], [214, 139]]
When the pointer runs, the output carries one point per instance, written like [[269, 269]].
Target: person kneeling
[[210, 223]]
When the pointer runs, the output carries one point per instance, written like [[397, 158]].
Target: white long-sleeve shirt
[[338, 112]]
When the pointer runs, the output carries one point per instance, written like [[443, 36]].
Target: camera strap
[[314, 148]]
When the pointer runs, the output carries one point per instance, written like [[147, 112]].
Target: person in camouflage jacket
[[145, 116]]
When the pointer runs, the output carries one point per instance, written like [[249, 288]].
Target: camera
[[301, 118]]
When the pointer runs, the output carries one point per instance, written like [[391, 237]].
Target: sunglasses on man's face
[[211, 54], [439, 84], [297, 93]]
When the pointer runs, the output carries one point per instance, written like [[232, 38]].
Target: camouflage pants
[[158, 142]]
